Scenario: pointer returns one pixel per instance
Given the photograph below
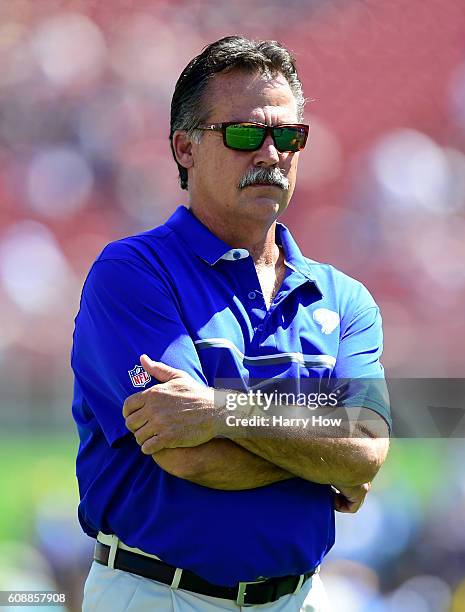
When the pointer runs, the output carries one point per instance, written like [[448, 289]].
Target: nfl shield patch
[[139, 376]]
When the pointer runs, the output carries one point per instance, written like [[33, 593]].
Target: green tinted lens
[[244, 137], [289, 139]]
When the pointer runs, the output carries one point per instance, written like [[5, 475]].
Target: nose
[[267, 155]]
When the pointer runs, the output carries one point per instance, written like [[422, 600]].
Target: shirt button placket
[[252, 295]]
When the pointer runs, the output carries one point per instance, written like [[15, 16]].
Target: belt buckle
[[241, 591]]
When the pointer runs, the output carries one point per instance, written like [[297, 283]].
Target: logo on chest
[[327, 319]]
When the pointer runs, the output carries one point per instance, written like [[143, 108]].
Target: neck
[[258, 240]]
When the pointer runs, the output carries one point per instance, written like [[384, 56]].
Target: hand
[[350, 499], [177, 412]]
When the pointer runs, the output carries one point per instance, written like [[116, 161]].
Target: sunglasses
[[248, 136]]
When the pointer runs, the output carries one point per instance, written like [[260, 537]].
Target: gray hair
[[188, 108]]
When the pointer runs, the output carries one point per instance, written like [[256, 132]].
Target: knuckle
[[130, 404], [149, 447], [131, 422]]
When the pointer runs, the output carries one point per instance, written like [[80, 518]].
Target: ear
[[182, 146]]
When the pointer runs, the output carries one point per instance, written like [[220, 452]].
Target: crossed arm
[[220, 464], [176, 422]]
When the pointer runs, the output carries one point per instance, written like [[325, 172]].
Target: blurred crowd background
[[85, 88]]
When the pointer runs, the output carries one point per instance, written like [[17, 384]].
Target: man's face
[[217, 170]]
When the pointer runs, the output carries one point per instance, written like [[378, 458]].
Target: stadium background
[[85, 88]]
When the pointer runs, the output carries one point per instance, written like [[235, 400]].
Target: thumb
[[162, 372]]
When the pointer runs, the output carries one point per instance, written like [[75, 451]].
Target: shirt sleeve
[[358, 372], [127, 309]]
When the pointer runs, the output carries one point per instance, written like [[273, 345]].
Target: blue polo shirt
[[184, 297]]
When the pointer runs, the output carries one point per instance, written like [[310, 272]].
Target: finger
[[160, 371], [144, 433], [152, 445], [133, 402], [136, 420], [342, 504]]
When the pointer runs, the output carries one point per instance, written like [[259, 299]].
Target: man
[[190, 511]]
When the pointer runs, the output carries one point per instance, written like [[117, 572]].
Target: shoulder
[[139, 248], [131, 264], [335, 281], [347, 295]]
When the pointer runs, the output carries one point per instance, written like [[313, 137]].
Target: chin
[[264, 207]]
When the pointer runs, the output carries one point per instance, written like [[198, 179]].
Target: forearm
[[220, 464], [338, 461], [347, 454]]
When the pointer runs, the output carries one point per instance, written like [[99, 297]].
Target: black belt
[[245, 593]]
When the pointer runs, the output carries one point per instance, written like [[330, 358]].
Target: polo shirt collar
[[292, 253], [200, 239], [211, 249]]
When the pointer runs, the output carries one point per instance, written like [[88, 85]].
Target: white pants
[[118, 591]]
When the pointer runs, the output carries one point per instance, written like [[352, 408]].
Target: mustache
[[264, 176]]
